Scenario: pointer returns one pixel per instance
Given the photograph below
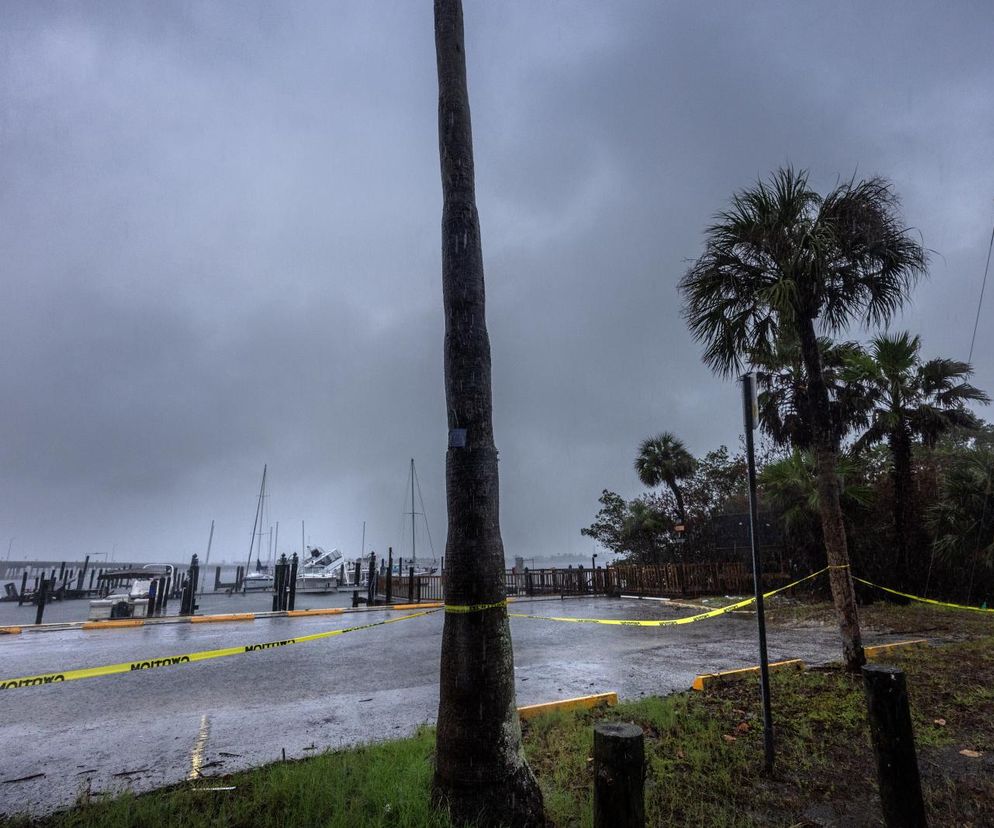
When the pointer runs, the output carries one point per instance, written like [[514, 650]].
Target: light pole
[[9, 545], [749, 408]]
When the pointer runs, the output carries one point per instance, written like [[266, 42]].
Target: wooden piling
[[24, 586], [292, 598], [619, 776], [371, 584], [894, 746], [389, 592], [42, 596]]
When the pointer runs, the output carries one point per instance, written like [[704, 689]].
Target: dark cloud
[[220, 231]]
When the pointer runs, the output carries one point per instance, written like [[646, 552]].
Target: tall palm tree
[[909, 400], [665, 459], [480, 770], [783, 261]]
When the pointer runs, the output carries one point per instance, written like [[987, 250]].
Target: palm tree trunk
[[480, 773], [825, 453], [678, 495]]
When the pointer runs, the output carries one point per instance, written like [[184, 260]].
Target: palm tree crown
[[783, 253], [665, 459], [910, 398]]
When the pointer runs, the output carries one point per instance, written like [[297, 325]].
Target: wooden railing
[[653, 580]]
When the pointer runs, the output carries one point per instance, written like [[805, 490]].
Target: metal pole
[[414, 553], [748, 401], [207, 557]]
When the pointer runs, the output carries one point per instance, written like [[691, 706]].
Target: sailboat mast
[[276, 540], [414, 552], [207, 559], [255, 524]]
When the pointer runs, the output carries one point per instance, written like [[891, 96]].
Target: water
[[209, 604]]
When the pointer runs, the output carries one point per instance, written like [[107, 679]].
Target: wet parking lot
[[149, 728]]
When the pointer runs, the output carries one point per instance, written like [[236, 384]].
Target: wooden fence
[[651, 580]]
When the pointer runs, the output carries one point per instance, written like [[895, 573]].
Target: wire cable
[[980, 302]]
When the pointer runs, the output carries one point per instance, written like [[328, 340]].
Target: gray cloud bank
[[219, 227]]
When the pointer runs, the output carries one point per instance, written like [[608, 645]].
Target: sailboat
[[426, 566], [319, 570], [262, 579]]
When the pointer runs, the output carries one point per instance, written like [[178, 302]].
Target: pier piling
[[42, 596]]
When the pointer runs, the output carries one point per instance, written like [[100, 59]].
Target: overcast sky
[[219, 231]]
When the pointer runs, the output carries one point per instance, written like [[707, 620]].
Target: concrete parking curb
[[713, 679], [884, 649], [579, 703]]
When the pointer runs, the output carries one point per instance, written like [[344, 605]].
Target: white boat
[[319, 571], [322, 571], [128, 591], [259, 581]]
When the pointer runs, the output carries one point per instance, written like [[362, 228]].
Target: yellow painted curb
[[326, 611], [432, 605], [710, 679], [10, 630], [883, 649], [579, 703], [233, 616], [117, 622]]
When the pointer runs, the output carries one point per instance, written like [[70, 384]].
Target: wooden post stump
[[619, 776], [894, 746]]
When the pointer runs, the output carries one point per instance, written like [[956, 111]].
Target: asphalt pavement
[[140, 730]]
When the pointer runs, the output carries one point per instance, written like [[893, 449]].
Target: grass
[[703, 751], [913, 618]]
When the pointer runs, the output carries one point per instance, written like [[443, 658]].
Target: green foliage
[[962, 523], [642, 528], [908, 397], [638, 529], [665, 459], [784, 407]]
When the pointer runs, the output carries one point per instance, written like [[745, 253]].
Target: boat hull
[[308, 584]]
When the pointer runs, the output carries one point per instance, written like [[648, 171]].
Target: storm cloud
[[219, 227]]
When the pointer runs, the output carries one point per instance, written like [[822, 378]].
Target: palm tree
[[782, 261], [665, 459], [480, 770], [908, 399]]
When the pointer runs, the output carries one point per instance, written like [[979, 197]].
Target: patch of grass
[[380, 785], [913, 619], [704, 754]]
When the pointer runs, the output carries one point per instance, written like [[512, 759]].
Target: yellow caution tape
[[923, 600], [460, 609], [670, 622], [169, 661]]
